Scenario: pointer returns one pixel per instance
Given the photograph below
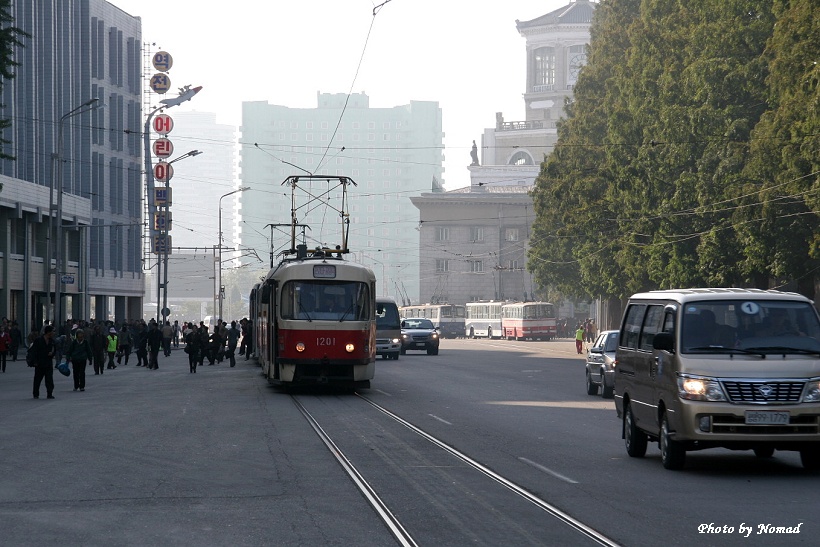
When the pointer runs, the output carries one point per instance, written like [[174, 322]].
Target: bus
[[528, 320], [447, 318], [483, 319]]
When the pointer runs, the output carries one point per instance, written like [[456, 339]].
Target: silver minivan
[[732, 368]]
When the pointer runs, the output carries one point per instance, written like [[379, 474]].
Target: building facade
[[392, 154], [88, 152], [474, 240]]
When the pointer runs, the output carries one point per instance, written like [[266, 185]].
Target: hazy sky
[[466, 55]]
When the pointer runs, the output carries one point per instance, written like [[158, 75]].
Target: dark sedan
[[419, 334]]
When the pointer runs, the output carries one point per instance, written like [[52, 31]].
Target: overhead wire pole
[[219, 286], [57, 179]]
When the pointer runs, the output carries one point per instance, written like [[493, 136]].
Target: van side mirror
[[664, 341]]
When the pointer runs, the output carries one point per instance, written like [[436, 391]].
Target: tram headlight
[[300, 347], [349, 348]]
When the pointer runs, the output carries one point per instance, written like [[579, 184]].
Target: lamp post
[[219, 286], [162, 265], [57, 179]]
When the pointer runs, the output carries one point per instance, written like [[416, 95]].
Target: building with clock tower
[[474, 240]]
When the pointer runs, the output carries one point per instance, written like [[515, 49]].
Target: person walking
[[167, 334], [16, 339], [79, 351], [204, 344], [154, 339], [579, 339], [176, 329], [99, 345], [141, 345], [111, 348], [233, 340], [5, 344], [193, 347], [124, 345], [44, 362]]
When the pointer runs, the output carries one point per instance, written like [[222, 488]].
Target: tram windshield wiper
[[307, 315], [348, 310]]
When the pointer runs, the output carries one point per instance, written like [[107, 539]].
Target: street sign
[[162, 244], [163, 171], [67, 279], [160, 83], [163, 124], [162, 221], [162, 61], [166, 312], [163, 148], [162, 197]]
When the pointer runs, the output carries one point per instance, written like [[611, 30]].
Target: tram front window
[[325, 301]]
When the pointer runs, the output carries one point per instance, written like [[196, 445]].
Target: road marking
[[589, 405], [439, 419], [548, 471], [383, 392]]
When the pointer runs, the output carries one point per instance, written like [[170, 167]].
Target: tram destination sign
[[324, 271]]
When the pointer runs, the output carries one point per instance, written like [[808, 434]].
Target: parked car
[[600, 368], [419, 334]]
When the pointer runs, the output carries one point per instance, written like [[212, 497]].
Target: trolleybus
[[483, 319], [447, 318], [533, 320]]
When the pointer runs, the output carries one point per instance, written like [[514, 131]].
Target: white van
[[210, 322], [732, 368], [388, 328]]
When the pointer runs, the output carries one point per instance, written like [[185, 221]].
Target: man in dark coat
[[44, 362], [154, 345]]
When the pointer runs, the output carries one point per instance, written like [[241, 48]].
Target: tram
[[534, 320], [447, 318], [315, 319]]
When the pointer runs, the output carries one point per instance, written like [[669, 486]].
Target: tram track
[[393, 523]]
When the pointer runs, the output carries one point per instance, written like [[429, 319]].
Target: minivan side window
[[632, 326], [651, 326]]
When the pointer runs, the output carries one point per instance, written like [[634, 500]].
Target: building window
[[442, 234], [476, 266], [543, 69], [513, 266], [308, 125], [476, 233], [442, 265], [511, 234]]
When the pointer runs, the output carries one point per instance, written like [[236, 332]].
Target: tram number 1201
[[322, 341]]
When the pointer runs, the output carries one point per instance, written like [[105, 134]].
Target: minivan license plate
[[766, 417]]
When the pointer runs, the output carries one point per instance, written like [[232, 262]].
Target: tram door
[[274, 331]]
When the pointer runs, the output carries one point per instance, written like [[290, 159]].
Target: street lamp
[[57, 178], [162, 265], [219, 286]]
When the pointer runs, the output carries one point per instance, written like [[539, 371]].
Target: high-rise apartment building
[[392, 154], [76, 51]]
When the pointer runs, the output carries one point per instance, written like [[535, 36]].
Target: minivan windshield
[[778, 326]]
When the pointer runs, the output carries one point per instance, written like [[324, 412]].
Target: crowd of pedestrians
[[106, 345]]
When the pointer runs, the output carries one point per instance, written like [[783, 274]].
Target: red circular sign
[[163, 124], [163, 171], [163, 148]]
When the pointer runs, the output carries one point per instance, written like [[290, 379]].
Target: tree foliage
[[9, 40], [689, 154]]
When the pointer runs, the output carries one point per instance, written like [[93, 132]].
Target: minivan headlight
[[812, 393], [695, 388]]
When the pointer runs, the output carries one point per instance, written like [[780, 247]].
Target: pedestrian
[[204, 344], [124, 345], [111, 347], [44, 362], [249, 335], [233, 339], [5, 344], [99, 345], [154, 340], [16, 339], [193, 347], [175, 339], [579, 339], [141, 345], [78, 352], [167, 334]]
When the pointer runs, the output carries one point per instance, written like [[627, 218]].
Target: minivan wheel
[[634, 439], [810, 458], [764, 451], [606, 391], [673, 455], [592, 388]]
